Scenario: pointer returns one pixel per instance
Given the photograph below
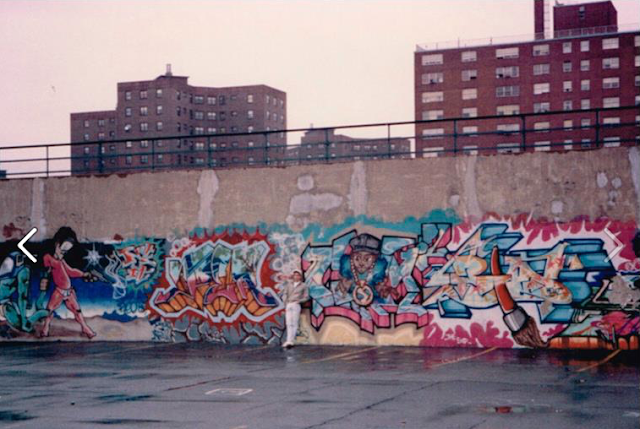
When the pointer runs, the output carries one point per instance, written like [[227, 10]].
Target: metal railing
[[522, 38], [588, 129]]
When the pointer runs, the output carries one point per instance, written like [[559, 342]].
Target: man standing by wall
[[295, 293]]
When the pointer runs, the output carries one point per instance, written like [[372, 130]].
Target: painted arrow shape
[[619, 245], [22, 243]]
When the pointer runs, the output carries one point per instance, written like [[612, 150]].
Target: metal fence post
[[523, 127], [598, 128], [326, 145], [455, 136]]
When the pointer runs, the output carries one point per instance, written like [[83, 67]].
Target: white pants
[[292, 317]]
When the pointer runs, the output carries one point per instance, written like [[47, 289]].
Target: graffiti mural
[[433, 281], [99, 287], [220, 282], [567, 287]]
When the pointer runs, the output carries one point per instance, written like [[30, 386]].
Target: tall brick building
[[216, 127], [586, 64]]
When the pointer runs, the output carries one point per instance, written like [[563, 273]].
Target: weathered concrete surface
[[62, 385], [554, 186]]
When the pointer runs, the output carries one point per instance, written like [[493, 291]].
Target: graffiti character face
[[297, 277], [363, 261], [63, 248]]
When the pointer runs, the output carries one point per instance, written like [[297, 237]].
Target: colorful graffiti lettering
[[435, 281], [219, 280]]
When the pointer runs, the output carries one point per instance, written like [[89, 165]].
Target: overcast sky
[[340, 62]]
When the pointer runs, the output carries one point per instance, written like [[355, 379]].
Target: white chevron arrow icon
[[22, 243], [619, 245]]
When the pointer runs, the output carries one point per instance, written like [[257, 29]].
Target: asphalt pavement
[[201, 385]]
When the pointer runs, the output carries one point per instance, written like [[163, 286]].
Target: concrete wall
[[201, 255]]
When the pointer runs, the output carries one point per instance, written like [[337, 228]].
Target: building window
[[159, 125], [127, 111], [610, 63], [506, 72], [87, 150], [540, 50], [432, 97], [567, 86], [160, 158], [144, 159], [128, 159], [636, 61], [432, 78], [584, 46], [249, 114], [508, 91], [159, 110], [250, 144], [585, 103], [540, 69], [199, 115], [144, 143], [100, 136], [585, 123], [541, 126], [585, 85], [511, 109], [159, 93], [144, 126], [429, 60], [211, 100], [566, 48], [211, 130], [433, 133], [609, 102], [468, 75], [127, 128], [469, 94], [143, 111], [128, 144], [469, 112], [471, 131], [637, 80], [87, 137], [429, 115], [610, 82], [610, 43], [211, 116], [637, 100], [268, 115], [567, 124], [541, 88], [611, 121], [199, 146], [508, 128], [101, 122], [504, 53], [584, 65], [198, 99], [199, 130], [469, 56], [250, 98], [249, 129], [636, 41], [508, 147], [541, 107], [222, 100], [567, 105], [86, 124], [566, 66], [127, 95], [143, 94]]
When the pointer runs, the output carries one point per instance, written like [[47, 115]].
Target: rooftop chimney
[[168, 73], [538, 18]]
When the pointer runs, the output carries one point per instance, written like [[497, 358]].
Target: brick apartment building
[[584, 67], [214, 127], [317, 145]]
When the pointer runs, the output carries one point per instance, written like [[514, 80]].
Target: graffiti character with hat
[[362, 269]]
